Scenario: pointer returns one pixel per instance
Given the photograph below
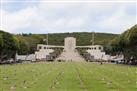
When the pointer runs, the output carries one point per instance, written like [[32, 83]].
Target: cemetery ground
[[68, 76]]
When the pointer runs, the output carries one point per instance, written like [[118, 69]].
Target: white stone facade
[[42, 53], [44, 47], [29, 57], [96, 51]]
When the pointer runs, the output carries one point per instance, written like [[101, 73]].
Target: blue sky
[[42, 16]]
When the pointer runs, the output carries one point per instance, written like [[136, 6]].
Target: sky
[[58, 16]]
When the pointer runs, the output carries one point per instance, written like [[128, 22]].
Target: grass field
[[67, 76]]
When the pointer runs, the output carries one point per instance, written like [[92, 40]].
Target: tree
[[8, 46], [23, 46], [127, 44], [1, 41]]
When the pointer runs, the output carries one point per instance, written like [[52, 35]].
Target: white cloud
[[12, 22], [118, 22], [66, 17]]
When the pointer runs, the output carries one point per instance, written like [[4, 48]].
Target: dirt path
[[82, 85], [55, 81]]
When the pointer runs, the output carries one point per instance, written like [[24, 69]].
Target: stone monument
[[70, 44], [70, 53]]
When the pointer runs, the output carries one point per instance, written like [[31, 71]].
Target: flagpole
[[47, 40], [93, 38]]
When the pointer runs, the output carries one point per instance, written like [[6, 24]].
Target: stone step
[[70, 56]]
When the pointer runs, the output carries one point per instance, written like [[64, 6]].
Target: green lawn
[[68, 76]]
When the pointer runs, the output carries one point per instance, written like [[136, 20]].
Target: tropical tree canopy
[[126, 43], [8, 45]]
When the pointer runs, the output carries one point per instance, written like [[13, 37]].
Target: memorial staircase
[[70, 56]]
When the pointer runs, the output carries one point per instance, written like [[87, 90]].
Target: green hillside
[[83, 38]]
